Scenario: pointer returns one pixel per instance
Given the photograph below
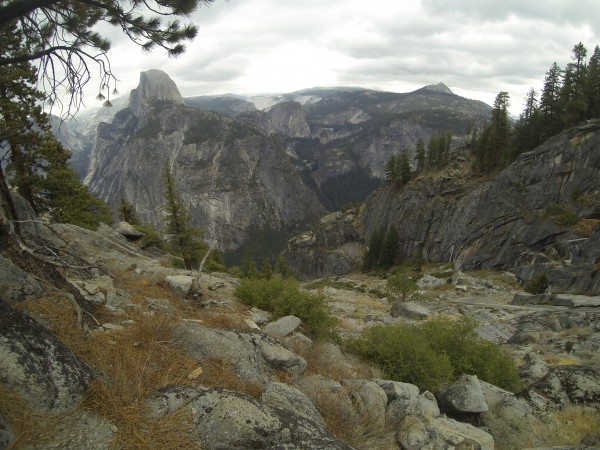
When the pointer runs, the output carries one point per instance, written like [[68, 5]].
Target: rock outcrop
[[540, 214], [335, 248], [230, 420]]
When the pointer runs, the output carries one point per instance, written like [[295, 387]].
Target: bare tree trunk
[[197, 290]]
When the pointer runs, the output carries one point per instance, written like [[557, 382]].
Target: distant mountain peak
[[154, 85], [440, 87]]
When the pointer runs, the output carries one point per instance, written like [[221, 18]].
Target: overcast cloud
[[476, 47]]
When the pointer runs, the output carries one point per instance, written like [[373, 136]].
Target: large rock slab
[[16, 284], [288, 397], [570, 385], [253, 355], [229, 420], [410, 310], [35, 364], [463, 397], [283, 326]]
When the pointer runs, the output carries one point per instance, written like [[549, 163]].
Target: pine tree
[[404, 167], [282, 267], [127, 212], [183, 236], [266, 271], [593, 84], [37, 165], [573, 101], [372, 255], [526, 133], [249, 268], [64, 38], [492, 149], [392, 169], [549, 109], [390, 247]]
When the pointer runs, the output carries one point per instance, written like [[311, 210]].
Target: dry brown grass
[[586, 226], [568, 426], [135, 362], [140, 287], [321, 361], [217, 373], [357, 430]]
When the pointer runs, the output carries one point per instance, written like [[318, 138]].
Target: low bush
[[283, 297], [435, 353], [537, 285]]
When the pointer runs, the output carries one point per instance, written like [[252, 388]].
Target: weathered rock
[[503, 404], [180, 284], [444, 432], [98, 291], [16, 284], [288, 397], [253, 355], [369, 400], [568, 300], [335, 248], [39, 367], [229, 420], [482, 224], [570, 385], [259, 316], [412, 434], [463, 397], [410, 310], [81, 429], [129, 231], [282, 326], [534, 369]]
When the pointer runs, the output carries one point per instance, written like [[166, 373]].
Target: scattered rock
[[253, 355], [282, 326], [225, 419], [288, 397], [410, 310], [259, 316], [180, 284], [463, 397], [129, 231], [98, 291]]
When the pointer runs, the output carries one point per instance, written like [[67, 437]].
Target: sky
[[476, 47]]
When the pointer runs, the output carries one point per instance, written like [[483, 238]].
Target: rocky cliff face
[[232, 177], [539, 214]]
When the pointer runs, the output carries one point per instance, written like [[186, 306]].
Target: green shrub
[[562, 215], [283, 297], [151, 237], [537, 285], [435, 353]]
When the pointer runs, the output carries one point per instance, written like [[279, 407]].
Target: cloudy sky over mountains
[[476, 47]]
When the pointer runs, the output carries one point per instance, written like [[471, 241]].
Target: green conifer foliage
[[184, 238]]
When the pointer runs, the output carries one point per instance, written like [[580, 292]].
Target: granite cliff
[[264, 166], [233, 177], [540, 214]]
